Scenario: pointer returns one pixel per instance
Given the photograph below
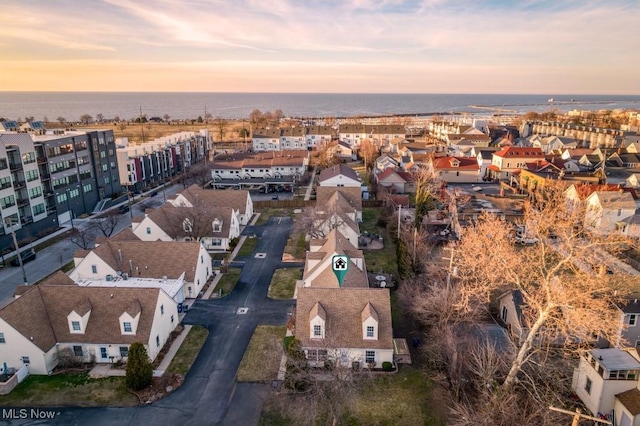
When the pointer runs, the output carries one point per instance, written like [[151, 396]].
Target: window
[[75, 325], [216, 241], [94, 269], [370, 331], [28, 157], [217, 226], [31, 175], [25, 360], [77, 351], [148, 230], [587, 386], [2, 340], [7, 201], [158, 340], [187, 225], [35, 192], [38, 209], [126, 326], [61, 198], [201, 259], [74, 193], [161, 309], [171, 319], [631, 320], [87, 188], [124, 351], [317, 331], [369, 356], [504, 313], [5, 182]]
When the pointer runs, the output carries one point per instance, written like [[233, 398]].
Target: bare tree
[[319, 222], [166, 117], [99, 117], [256, 119], [221, 125], [325, 156], [61, 120], [199, 174], [564, 300], [83, 238], [85, 118], [106, 223], [368, 151]]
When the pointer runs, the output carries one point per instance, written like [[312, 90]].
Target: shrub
[[139, 371], [387, 366]]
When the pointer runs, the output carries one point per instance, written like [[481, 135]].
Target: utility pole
[[399, 217], [11, 223], [142, 123], [577, 416]]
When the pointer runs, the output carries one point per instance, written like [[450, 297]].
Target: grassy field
[[296, 245], [189, 350], [378, 260], [261, 360], [155, 130], [404, 398], [248, 247], [66, 389], [229, 281], [283, 283]]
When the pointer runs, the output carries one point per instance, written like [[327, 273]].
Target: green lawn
[[228, 281], [70, 389], [248, 247], [261, 360], [189, 350], [384, 260], [296, 245], [405, 398], [283, 283]]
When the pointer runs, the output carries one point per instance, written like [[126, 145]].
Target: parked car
[[123, 209], [275, 197], [26, 255]]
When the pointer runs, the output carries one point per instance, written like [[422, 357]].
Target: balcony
[[15, 166]]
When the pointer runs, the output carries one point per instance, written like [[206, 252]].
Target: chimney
[[120, 254]]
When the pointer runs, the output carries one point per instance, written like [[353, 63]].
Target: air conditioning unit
[[109, 278], [125, 276]]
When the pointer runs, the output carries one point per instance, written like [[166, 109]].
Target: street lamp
[[10, 223], [69, 208]]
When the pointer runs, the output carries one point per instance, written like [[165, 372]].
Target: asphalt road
[[53, 257], [210, 395]]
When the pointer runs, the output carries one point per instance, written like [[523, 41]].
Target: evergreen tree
[[139, 368]]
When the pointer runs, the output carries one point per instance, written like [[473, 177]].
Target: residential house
[[214, 227], [239, 200], [457, 169], [262, 165], [511, 159], [336, 201], [396, 182], [609, 211], [345, 152], [553, 143], [339, 220], [92, 324], [633, 181], [352, 195], [123, 262], [381, 134], [603, 375], [293, 138], [318, 271], [318, 136], [510, 310], [266, 139], [348, 327], [484, 157], [339, 175], [630, 327], [383, 163]]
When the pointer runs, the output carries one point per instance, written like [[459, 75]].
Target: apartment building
[[48, 177], [151, 163]]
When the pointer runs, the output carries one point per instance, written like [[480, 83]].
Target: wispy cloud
[[354, 40]]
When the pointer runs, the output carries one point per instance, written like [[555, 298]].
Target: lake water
[[127, 105]]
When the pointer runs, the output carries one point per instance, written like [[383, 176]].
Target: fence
[[12, 382]]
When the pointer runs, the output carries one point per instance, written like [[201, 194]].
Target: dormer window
[[126, 327], [187, 225], [317, 331], [217, 225], [75, 326], [370, 331]]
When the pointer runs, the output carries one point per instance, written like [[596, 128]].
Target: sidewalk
[[105, 370], [307, 195], [232, 256]]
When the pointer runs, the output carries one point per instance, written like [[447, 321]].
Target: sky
[[324, 46]]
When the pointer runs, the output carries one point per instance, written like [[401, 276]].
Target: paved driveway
[[206, 395]]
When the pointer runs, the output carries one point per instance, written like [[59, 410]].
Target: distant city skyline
[[322, 46]]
